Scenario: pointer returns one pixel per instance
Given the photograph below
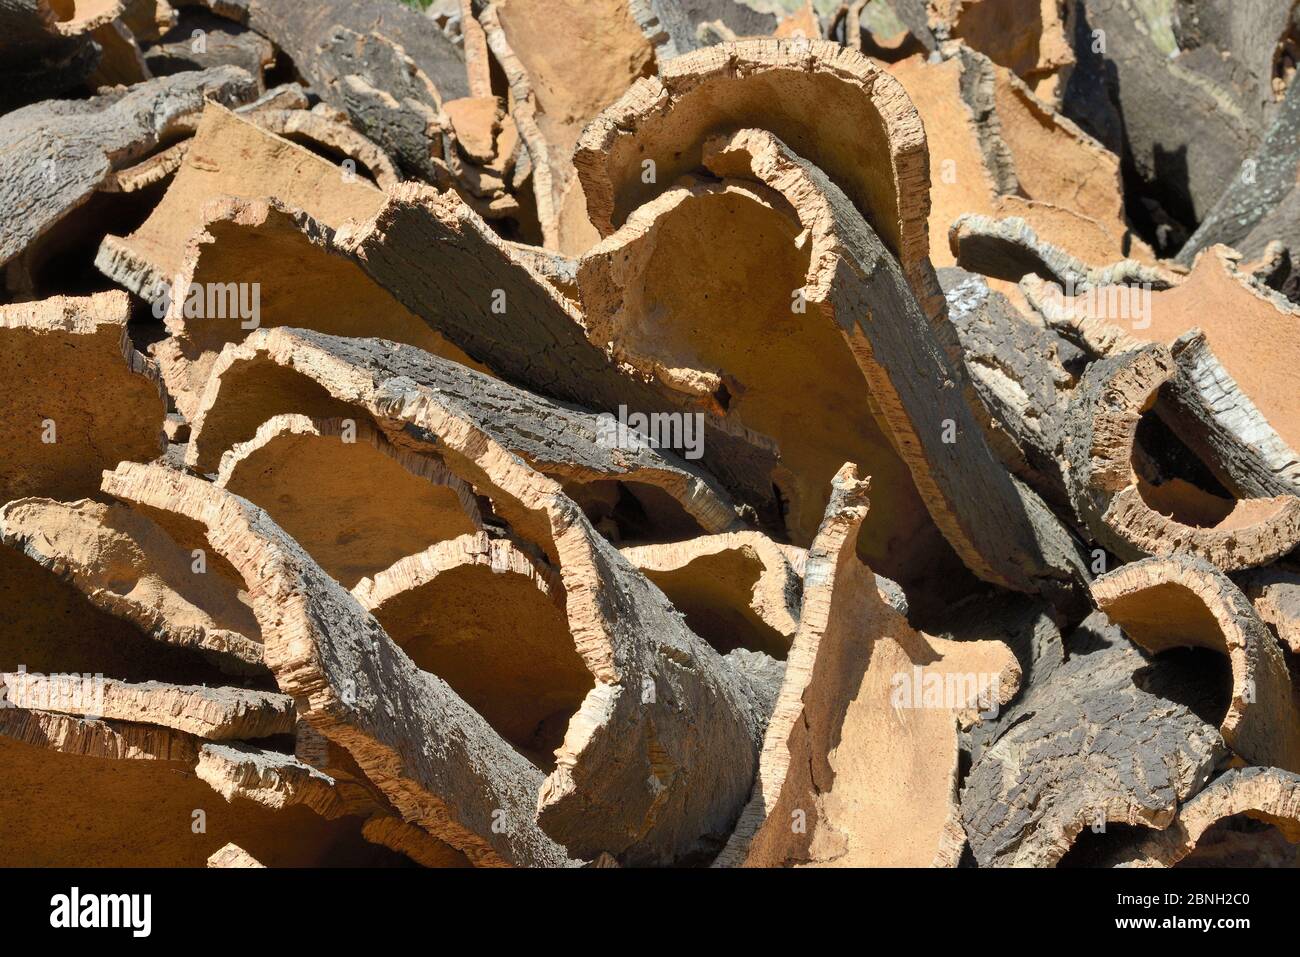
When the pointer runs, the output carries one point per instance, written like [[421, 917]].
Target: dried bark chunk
[[387, 66], [488, 620], [860, 760], [282, 371], [54, 155], [217, 714], [232, 855], [1188, 117], [1019, 371], [106, 779], [1137, 513], [917, 392], [1266, 795], [128, 566], [737, 329], [1183, 602], [200, 41], [229, 155], [46, 46], [317, 478], [1083, 748], [504, 314], [1027, 36], [102, 406], [737, 590], [577, 59], [301, 278], [358, 689], [1275, 594], [832, 106], [1259, 205], [1262, 364]]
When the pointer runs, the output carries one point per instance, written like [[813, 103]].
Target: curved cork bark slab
[[503, 313], [1259, 205], [1018, 370], [301, 277], [1085, 747], [433, 756], [268, 778], [332, 138], [1000, 530], [281, 371], [740, 341], [855, 771], [224, 42], [874, 149], [47, 46], [316, 479], [1018, 248], [576, 59], [1135, 516], [1274, 593], [127, 566], [54, 155], [737, 590], [107, 779], [216, 714], [488, 620], [103, 406], [1164, 603], [33, 24], [1226, 426], [1219, 300], [1266, 795], [997, 150], [228, 156], [48, 625], [634, 777]]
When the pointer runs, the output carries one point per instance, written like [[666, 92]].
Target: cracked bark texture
[[53, 155], [1084, 747]]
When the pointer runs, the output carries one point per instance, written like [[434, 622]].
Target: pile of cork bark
[[560, 433]]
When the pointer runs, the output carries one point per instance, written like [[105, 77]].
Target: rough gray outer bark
[[440, 260], [386, 65], [1264, 794], [1274, 592], [42, 54], [673, 26], [1083, 747], [1009, 248], [1224, 427], [1184, 602], [54, 155], [565, 443], [435, 758], [1248, 31], [1099, 443], [1259, 204], [225, 43], [1188, 121], [1018, 371]]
